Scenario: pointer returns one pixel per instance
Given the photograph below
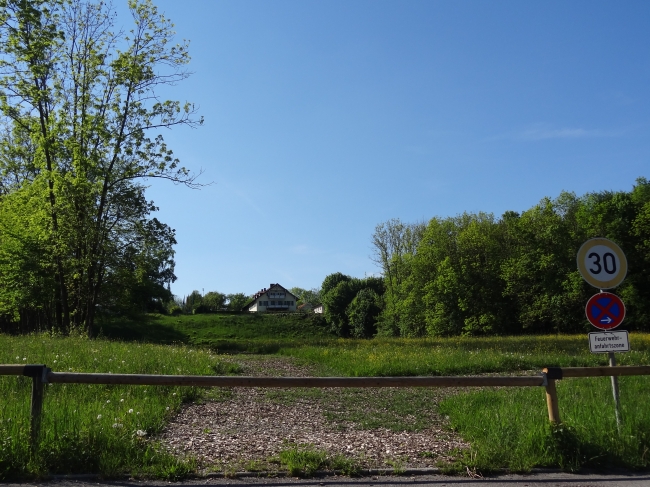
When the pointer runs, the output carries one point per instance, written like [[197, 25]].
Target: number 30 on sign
[[602, 263]]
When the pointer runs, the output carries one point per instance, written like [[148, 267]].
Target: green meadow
[[111, 430]]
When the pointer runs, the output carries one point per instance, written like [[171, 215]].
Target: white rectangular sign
[[609, 341]]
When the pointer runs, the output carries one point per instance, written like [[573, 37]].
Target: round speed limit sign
[[602, 263]]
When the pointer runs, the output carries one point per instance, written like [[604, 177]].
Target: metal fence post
[[617, 401]]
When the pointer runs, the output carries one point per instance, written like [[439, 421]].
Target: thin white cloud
[[546, 132], [565, 133], [244, 195], [302, 249]]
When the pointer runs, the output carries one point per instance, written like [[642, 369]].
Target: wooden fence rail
[[41, 375]]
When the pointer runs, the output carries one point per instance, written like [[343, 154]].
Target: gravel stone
[[246, 431]]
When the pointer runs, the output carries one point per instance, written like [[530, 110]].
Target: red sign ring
[[605, 311]]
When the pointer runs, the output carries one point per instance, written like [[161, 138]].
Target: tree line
[[214, 301], [476, 274]]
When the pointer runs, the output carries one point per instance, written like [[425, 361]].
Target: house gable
[[273, 298]]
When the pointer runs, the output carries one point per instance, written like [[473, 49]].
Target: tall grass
[[110, 429], [461, 355], [94, 428], [509, 428]]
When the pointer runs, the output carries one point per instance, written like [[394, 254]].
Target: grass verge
[[509, 428], [304, 461], [99, 429]]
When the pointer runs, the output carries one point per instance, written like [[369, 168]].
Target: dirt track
[[250, 426]]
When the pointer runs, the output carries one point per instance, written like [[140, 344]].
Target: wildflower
[[130, 411], [108, 401], [137, 412], [174, 394], [141, 433], [54, 361], [17, 358], [69, 368], [99, 416], [122, 400], [24, 358], [118, 425], [167, 408]]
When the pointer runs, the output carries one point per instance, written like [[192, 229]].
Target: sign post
[[603, 264]]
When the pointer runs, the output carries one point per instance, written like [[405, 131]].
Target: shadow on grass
[[151, 330], [143, 330]]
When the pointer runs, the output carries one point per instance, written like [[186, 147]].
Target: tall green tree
[[237, 301], [82, 117], [394, 243], [339, 292]]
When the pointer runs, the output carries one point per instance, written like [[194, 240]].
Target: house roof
[[263, 291]]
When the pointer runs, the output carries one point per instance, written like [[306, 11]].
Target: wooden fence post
[[551, 374], [38, 373], [551, 402]]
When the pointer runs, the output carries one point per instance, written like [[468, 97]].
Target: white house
[[319, 309], [275, 298]]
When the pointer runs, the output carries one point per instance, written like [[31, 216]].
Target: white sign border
[[627, 340], [612, 283]]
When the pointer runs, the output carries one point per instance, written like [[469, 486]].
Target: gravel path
[[247, 429]]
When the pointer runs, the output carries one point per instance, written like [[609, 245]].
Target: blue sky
[[326, 118]]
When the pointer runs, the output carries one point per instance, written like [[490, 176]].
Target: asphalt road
[[532, 480]]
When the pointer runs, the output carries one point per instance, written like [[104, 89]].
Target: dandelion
[[69, 368], [130, 411], [118, 425], [24, 358], [174, 394], [18, 358], [54, 361], [122, 400], [141, 433], [99, 416], [108, 401], [167, 408], [137, 413]]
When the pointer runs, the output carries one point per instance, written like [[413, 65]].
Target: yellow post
[[551, 402]]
